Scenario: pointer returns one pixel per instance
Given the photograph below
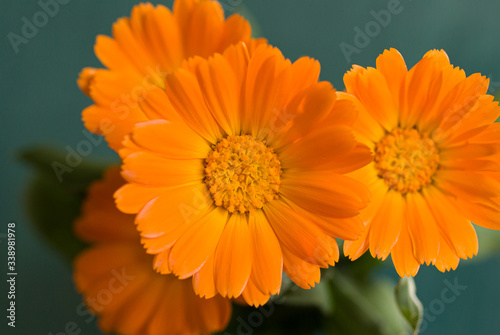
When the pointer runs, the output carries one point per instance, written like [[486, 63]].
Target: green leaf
[[364, 307], [53, 210], [408, 303], [319, 296], [62, 167], [489, 244], [54, 204]]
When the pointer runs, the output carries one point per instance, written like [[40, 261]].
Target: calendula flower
[[144, 48], [436, 162], [244, 174], [118, 282]]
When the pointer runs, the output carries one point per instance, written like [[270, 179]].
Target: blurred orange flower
[[144, 48], [436, 160], [246, 177], [118, 282]]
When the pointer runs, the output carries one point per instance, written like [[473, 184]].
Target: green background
[[41, 104]]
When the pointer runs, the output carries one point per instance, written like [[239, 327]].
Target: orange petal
[[173, 140], [135, 314], [367, 128], [197, 243], [187, 98], [466, 184], [306, 114], [204, 281], [386, 225], [473, 121], [325, 193], [221, 90], [368, 176], [469, 151], [112, 56], [455, 229], [458, 104], [344, 228], [483, 214], [236, 29], [418, 95], [265, 92], [163, 36], [203, 29], [423, 229], [370, 87], [356, 248], [267, 264], [319, 149], [402, 254], [173, 208], [302, 273], [305, 72], [393, 67], [233, 259], [156, 105], [238, 57], [132, 197], [253, 296], [85, 79], [447, 258], [131, 45], [99, 207], [149, 169], [299, 235]]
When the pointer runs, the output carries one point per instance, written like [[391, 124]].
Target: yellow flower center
[[406, 160], [242, 173]]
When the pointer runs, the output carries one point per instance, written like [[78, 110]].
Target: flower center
[[242, 173], [406, 160]]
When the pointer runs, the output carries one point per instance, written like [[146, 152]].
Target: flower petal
[[130, 198], [172, 209], [253, 296], [422, 228], [455, 229], [386, 225], [299, 235], [233, 257], [149, 169], [173, 140], [197, 243], [402, 254], [325, 193], [302, 273], [393, 67], [187, 98], [267, 264], [319, 149]]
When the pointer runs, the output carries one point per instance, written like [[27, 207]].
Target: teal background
[[40, 103]]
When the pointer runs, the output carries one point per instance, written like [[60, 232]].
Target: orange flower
[[119, 284], [436, 160], [246, 177], [144, 48]]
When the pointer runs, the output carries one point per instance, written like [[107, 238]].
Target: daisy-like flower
[[436, 162], [118, 282], [246, 178], [144, 48]]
